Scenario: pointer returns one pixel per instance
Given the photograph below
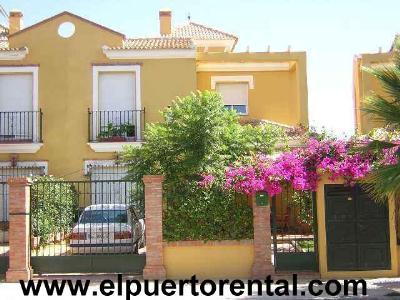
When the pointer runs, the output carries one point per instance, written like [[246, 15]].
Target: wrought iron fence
[[86, 217], [116, 125], [7, 172], [293, 222], [105, 172], [21, 126]]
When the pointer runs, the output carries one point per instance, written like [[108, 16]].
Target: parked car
[[107, 228]]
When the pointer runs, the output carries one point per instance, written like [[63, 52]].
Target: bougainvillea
[[301, 168], [206, 180]]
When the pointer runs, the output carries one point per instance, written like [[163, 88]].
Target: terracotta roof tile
[[6, 48], [156, 43], [200, 32]]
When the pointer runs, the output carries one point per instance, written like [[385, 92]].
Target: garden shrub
[[54, 206], [199, 214], [198, 137]]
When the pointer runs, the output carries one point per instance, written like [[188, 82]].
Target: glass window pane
[[240, 109]]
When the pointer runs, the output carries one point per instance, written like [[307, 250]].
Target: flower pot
[[113, 139], [35, 242], [17, 141]]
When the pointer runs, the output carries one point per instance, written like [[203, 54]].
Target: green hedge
[[54, 206], [207, 215]]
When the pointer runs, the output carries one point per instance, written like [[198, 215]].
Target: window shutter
[[233, 93]]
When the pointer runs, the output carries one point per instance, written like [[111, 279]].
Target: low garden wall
[[212, 259]]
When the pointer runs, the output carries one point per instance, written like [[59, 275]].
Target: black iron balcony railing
[[21, 126], [116, 125]]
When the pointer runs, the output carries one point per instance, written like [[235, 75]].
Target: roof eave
[[72, 15], [13, 53], [126, 53]]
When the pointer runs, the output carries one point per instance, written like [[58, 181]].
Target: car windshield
[[104, 216]]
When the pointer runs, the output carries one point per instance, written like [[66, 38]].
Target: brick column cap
[[153, 179], [19, 181]]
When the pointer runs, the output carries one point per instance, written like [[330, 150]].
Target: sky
[[331, 32]]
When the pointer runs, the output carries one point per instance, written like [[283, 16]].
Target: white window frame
[[118, 68], [234, 79], [34, 70], [88, 164]]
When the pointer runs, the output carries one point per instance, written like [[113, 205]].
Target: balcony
[[20, 131], [110, 130]]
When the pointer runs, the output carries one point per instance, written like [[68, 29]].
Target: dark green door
[[357, 230]]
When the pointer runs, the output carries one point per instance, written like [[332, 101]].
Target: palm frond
[[389, 77], [382, 110], [383, 182], [374, 145]]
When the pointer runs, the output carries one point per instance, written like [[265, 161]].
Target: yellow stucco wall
[[65, 88], [227, 259], [364, 85], [322, 243], [66, 80], [279, 96]]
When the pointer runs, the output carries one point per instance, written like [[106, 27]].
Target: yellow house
[[365, 84], [67, 84]]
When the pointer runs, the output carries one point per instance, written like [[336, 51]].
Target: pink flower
[[207, 180], [301, 168]]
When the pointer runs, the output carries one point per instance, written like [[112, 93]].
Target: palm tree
[[384, 182]]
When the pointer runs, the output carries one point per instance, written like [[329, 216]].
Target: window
[[19, 111], [104, 216], [16, 106], [117, 114], [234, 95]]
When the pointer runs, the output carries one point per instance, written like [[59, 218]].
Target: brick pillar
[[19, 231], [153, 195], [262, 265]]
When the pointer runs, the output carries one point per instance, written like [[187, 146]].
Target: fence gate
[[85, 227], [294, 231]]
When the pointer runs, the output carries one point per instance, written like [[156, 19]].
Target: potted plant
[[112, 134], [130, 131]]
